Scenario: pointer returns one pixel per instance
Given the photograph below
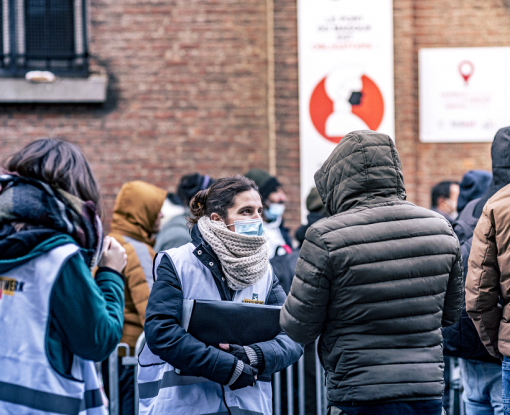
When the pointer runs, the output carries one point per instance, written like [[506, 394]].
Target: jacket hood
[[136, 209], [500, 154], [363, 168], [473, 185]]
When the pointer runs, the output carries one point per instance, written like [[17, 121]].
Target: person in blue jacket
[[227, 260]]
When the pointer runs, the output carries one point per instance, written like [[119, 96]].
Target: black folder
[[214, 322]]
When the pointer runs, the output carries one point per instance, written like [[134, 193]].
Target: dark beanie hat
[[266, 183], [190, 185], [314, 202]]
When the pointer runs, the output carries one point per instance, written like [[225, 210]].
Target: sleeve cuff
[[252, 356], [260, 362], [106, 269], [237, 372]]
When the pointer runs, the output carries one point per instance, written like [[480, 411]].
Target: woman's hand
[[237, 351], [248, 377], [114, 255]]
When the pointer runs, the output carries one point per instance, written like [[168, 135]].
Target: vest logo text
[[8, 286], [254, 300]]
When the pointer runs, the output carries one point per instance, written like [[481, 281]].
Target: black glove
[[239, 352], [247, 378]]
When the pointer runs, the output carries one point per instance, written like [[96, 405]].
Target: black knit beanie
[[190, 185], [266, 183]]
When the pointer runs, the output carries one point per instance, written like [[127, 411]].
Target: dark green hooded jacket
[[377, 280]]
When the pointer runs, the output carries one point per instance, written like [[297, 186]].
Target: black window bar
[[43, 35]]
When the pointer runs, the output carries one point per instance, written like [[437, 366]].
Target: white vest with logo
[[28, 382], [163, 391]]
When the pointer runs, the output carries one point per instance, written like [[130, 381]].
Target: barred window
[[48, 35]]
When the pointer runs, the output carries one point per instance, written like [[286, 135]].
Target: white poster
[[464, 93], [345, 76]]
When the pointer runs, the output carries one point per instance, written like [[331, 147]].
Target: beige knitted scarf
[[243, 258]]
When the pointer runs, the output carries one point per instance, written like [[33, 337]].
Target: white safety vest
[[163, 391], [28, 382]]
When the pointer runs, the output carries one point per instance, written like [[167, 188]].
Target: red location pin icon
[[466, 69]]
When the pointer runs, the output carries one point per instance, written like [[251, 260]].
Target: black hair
[[441, 189]]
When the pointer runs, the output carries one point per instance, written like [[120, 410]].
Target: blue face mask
[[250, 227], [274, 211]]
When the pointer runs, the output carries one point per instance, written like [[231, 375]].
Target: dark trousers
[[126, 387]]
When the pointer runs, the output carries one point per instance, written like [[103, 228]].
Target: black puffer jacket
[[376, 280]]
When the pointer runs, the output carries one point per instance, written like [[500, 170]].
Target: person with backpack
[[480, 372], [56, 319]]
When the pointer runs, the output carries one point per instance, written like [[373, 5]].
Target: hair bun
[[197, 206]]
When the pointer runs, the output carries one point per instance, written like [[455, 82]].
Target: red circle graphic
[[370, 109]]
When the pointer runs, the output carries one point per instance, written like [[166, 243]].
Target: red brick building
[[189, 83]]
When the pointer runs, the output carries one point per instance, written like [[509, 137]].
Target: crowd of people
[[393, 291]]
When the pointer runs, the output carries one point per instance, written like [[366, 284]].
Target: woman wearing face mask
[[227, 260]]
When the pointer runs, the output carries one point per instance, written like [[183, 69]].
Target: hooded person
[[174, 228], [376, 280], [136, 218], [473, 186], [273, 199]]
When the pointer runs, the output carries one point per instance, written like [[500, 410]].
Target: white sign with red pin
[[463, 93]]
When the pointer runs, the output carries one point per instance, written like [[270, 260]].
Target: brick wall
[[439, 23], [188, 92]]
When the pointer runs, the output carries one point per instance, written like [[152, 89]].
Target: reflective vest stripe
[[49, 402], [169, 379], [42, 401]]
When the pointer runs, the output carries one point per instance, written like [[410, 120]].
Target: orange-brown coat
[[136, 211]]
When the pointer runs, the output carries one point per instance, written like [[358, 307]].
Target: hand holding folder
[[214, 322]]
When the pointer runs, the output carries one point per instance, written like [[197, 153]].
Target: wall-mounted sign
[[464, 93], [345, 76]]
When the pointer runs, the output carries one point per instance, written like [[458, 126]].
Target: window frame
[[16, 63]]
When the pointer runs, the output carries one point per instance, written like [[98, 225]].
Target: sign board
[[345, 76], [464, 93]]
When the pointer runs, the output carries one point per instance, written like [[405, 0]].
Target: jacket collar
[[206, 255]]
